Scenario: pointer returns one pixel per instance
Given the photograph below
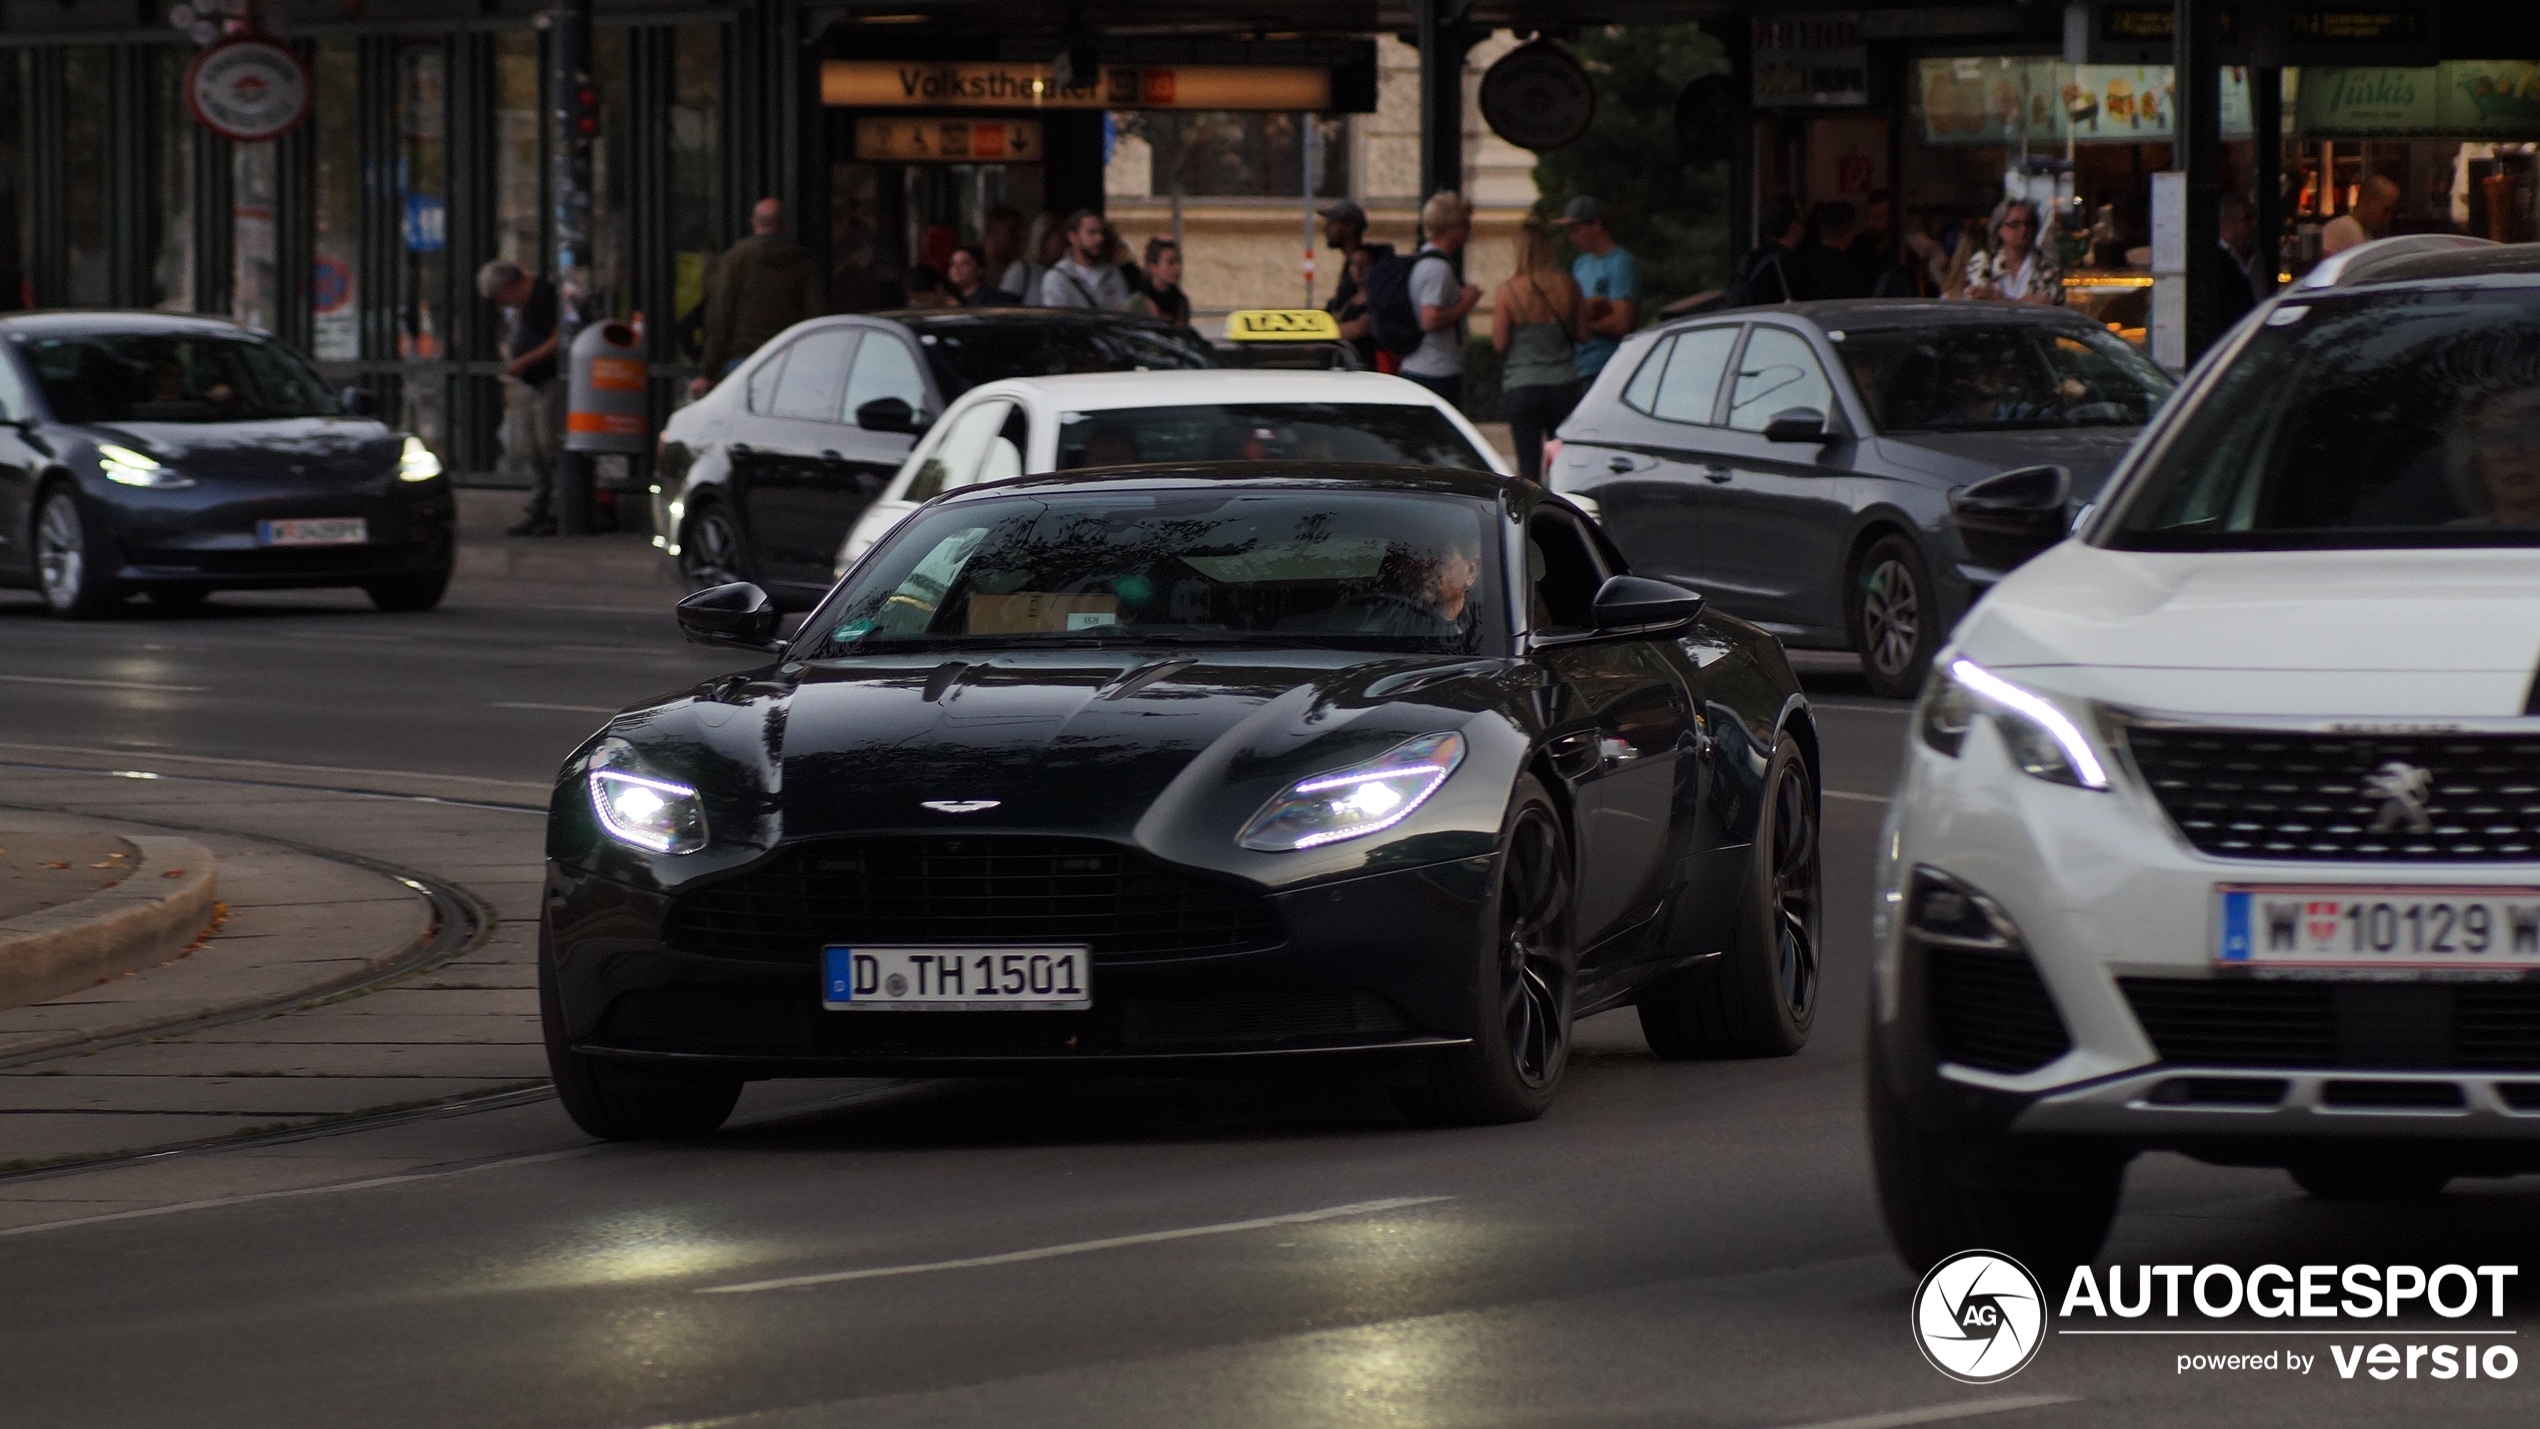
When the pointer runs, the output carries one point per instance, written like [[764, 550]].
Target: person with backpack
[[1085, 278], [1537, 320], [1437, 299], [1766, 273]]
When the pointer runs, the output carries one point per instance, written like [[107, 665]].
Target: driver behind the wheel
[[1423, 588]]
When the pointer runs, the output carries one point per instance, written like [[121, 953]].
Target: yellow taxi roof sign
[[1282, 325]]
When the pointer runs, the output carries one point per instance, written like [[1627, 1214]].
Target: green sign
[[2458, 99]]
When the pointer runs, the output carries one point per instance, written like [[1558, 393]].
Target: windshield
[[1353, 570], [2005, 377], [1264, 431], [173, 377], [965, 355], [2355, 421]]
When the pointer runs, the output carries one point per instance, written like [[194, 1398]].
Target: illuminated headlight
[[416, 462], [657, 814], [131, 468], [2043, 740], [1350, 802]]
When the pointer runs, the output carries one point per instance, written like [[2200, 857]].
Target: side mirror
[[738, 615], [2008, 518], [1640, 605], [890, 414], [1798, 424], [358, 402]]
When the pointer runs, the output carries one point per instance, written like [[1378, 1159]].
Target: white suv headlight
[[2043, 740], [1378, 794], [660, 815]]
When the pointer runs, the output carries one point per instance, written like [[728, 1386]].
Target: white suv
[[2219, 830]]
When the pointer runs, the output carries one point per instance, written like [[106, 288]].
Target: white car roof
[[1104, 391]]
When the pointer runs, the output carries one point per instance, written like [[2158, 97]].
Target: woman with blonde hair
[[1537, 320]]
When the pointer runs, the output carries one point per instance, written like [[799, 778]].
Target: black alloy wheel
[[74, 582], [1759, 997], [625, 1101], [1895, 618], [711, 553]]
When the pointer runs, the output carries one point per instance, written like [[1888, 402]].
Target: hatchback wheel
[[1895, 620], [711, 553], [74, 583]]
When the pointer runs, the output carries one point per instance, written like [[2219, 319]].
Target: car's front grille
[[985, 891], [2231, 1022], [2447, 798]]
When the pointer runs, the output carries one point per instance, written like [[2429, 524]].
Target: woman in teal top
[[1536, 322]]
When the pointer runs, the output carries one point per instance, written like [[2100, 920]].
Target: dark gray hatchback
[[1800, 464]]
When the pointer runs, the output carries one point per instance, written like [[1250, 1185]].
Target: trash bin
[[606, 405]]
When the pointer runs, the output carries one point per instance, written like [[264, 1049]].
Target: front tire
[[74, 582], [625, 1101], [1760, 998], [1895, 617], [2049, 1207], [1520, 1050]]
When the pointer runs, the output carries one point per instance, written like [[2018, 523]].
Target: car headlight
[[2042, 739], [131, 468], [661, 815], [416, 462], [1347, 803]]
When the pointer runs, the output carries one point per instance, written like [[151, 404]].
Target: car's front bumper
[[207, 536]]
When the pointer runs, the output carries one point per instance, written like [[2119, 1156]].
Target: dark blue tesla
[[173, 456]]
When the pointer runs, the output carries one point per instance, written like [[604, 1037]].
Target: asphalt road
[[1675, 1244]]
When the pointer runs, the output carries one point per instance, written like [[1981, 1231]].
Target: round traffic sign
[[248, 89]]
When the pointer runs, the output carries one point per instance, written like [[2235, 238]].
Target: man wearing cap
[[1608, 278], [1345, 232]]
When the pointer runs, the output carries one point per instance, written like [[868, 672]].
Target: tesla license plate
[[947, 979], [323, 531], [2349, 928]]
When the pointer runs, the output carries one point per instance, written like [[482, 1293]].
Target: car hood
[[2334, 634], [1093, 741], [2089, 453], [345, 446]]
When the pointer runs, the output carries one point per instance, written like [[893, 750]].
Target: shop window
[[519, 174], [698, 202], [254, 290], [335, 286], [172, 267], [608, 287], [15, 239], [90, 279], [423, 194], [1217, 153]]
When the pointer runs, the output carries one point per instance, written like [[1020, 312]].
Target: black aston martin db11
[[1182, 767]]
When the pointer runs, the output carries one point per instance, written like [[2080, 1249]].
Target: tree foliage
[[1673, 217]]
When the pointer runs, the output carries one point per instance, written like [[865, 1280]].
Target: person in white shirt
[[1085, 278], [1442, 300]]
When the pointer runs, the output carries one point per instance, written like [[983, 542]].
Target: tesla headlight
[[653, 813], [416, 462], [1378, 794], [130, 468], [2043, 740]]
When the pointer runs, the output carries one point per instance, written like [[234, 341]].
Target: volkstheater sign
[[894, 84]]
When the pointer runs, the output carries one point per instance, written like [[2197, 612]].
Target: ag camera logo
[[1979, 1316]]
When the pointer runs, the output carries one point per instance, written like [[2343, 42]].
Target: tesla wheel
[[1521, 1043], [74, 584], [711, 553], [2045, 1205], [1759, 998], [626, 1101], [408, 593], [1895, 620], [2370, 1180]]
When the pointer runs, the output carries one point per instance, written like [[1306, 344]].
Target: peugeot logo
[[2401, 788], [959, 806]]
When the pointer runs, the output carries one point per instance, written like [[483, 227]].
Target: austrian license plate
[[2346, 927], [857, 979], [319, 531]]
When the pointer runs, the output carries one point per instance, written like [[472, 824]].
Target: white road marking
[[124, 754], [1046, 1252], [1943, 1413], [216, 1202], [1863, 798], [107, 684], [568, 709]]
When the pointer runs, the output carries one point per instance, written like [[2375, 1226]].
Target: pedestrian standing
[[1047, 244], [1349, 307], [1537, 319], [2234, 293], [1826, 266], [1345, 232], [967, 276], [531, 389], [762, 285], [1609, 282], [1160, 284], [2019, 267], [1763, 273], [1873, 247], [1085, 278], [1004, 263], [1441, 297]]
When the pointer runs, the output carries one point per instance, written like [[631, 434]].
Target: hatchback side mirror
[[358, 402], [2007, 518], [1797, 424], [737, 615], [891, 414]]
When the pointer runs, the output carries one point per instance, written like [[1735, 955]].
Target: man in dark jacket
[[761, 286], [1766, 273]]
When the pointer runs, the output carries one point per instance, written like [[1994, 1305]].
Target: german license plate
[[2299, 926], [321, 531], [1053, 979]]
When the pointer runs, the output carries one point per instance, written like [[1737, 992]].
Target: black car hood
[[2090, 453], [1089, 741], [355, 446]]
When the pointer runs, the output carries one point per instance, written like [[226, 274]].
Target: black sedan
[[146, 453], [1191, 767], [760, 479], [1854, 475]]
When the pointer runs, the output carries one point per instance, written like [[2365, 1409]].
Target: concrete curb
[[152, 915]]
